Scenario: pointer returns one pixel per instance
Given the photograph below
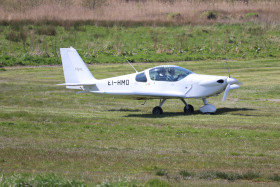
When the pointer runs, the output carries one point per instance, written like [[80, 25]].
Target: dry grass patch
[[148, 12]]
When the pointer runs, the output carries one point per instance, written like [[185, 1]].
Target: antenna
[[132, 66], [228, 68]]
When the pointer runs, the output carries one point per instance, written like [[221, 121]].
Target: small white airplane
[[161, 82]]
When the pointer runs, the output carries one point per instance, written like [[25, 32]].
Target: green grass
[[48, 130], [49, 180], [30, 44]]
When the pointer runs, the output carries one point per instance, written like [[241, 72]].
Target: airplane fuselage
[[190, 86]]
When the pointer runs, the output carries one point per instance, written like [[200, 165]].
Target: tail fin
[[76, 73]]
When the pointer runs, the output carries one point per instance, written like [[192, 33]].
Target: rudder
[[75, 70]]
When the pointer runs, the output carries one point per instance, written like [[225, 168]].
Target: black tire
[[157, 110], [189, 110]]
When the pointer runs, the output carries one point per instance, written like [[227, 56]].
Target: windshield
[[168, 73], [141, 77]]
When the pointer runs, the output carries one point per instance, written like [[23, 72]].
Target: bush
[[251, 175], [228, 176], [174, 15], [185, 173], [13, 36], [275, 177], [251, 15], [209, 14], [161, 172], [46, 30], [7, 61]]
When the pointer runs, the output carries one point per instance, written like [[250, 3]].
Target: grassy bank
[[50, 133], [25, 44]]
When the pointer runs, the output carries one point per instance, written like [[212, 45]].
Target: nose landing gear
[[207, 108]]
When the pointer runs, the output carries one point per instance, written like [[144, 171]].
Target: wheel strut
[[188, 109], [207, 108], [161, 102], [158, 110]]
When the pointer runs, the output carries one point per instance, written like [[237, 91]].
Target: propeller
[[226, 92], [228, 68], [232, 83]]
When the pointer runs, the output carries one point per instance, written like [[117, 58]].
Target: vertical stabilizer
[[75, 70]]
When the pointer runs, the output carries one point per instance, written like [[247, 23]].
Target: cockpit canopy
[[168, 73]]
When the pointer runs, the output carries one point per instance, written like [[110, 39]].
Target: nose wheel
[[207, 108]]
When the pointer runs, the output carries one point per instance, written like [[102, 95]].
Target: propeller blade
[[234, 86], [239, 83], [228, 69], [226, 92]]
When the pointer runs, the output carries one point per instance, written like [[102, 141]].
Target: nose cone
[[231, 81], [207, 85]]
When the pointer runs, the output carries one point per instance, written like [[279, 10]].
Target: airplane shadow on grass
[[227, 110], [219, 111], [124, 110]]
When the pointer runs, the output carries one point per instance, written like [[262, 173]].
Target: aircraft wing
[[161, 94], [143, 95]]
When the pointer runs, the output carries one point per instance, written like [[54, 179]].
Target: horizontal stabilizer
[[77, 84]]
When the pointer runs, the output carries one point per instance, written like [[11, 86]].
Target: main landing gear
[[188, 109], [158, 110]]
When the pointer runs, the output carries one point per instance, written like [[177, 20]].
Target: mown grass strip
[[48, 129]]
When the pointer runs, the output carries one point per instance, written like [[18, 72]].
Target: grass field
[[51, 134]]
